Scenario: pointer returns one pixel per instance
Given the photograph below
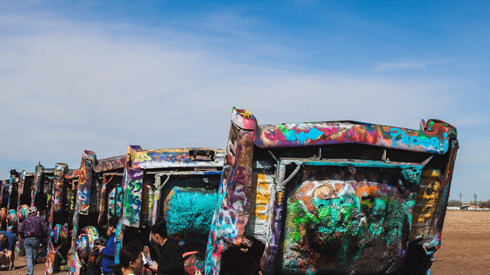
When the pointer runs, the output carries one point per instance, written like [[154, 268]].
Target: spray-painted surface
[[427, 201], [340, 224], [74, 264], [189, 212], [3, 184], [115, 202], [58, 182], [167, 158], [179, 184], [90, 202], [234, 198], [133, 186], [119, 238], [56, 233], [110, 164], [348, 210], [20, 187], [193, 261], [85, 246], [323, 133], [3, 216], [58, 198], [13, 185], [85, 184], [72, 178], [12, 218], [22, 212], [37, 182], [72, 173], [142, 201], [432, 240]]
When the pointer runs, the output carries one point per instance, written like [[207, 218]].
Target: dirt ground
[[465, 247], [465, 244], [20, 265]]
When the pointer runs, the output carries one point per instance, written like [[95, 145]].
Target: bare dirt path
[[465, 246]]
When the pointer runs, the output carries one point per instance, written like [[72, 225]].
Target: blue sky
[[101, 75]]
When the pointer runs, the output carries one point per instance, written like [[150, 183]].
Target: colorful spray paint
[[133, 186], [179, 184], [181, 206], [85, 184], [350, 213], [37, 182], [85, 246], [234, 195], [23, 212], [90, 204]]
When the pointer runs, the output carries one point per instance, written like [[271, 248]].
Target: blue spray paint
[[191, 211]]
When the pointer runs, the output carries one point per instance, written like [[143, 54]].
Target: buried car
[[178, 184], [339, 197]]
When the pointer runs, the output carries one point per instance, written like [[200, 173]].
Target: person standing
[[7, 242], [171, 261], [109, 250], [32, 230], [130, 260]]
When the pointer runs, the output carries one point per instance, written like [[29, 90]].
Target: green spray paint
[[343, 228]]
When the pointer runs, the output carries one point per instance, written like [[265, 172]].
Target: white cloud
[[385, 66], [67, 86]]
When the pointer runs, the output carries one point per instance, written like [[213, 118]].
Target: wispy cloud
[[385, 66], [66, 86]]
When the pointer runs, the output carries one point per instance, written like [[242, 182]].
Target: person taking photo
[[108, 251]]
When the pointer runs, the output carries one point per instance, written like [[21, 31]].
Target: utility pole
[[475, 200], [460, 195]]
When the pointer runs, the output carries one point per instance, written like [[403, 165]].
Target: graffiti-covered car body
[[18, 194], [179, 185], [42, 190], [24, 188], [4, 195], [61, 213], [338, 197], [99, 180], [14, 188]]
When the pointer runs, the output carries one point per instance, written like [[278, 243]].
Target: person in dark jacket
[[32, 230], [170, 261], [109, 250]]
